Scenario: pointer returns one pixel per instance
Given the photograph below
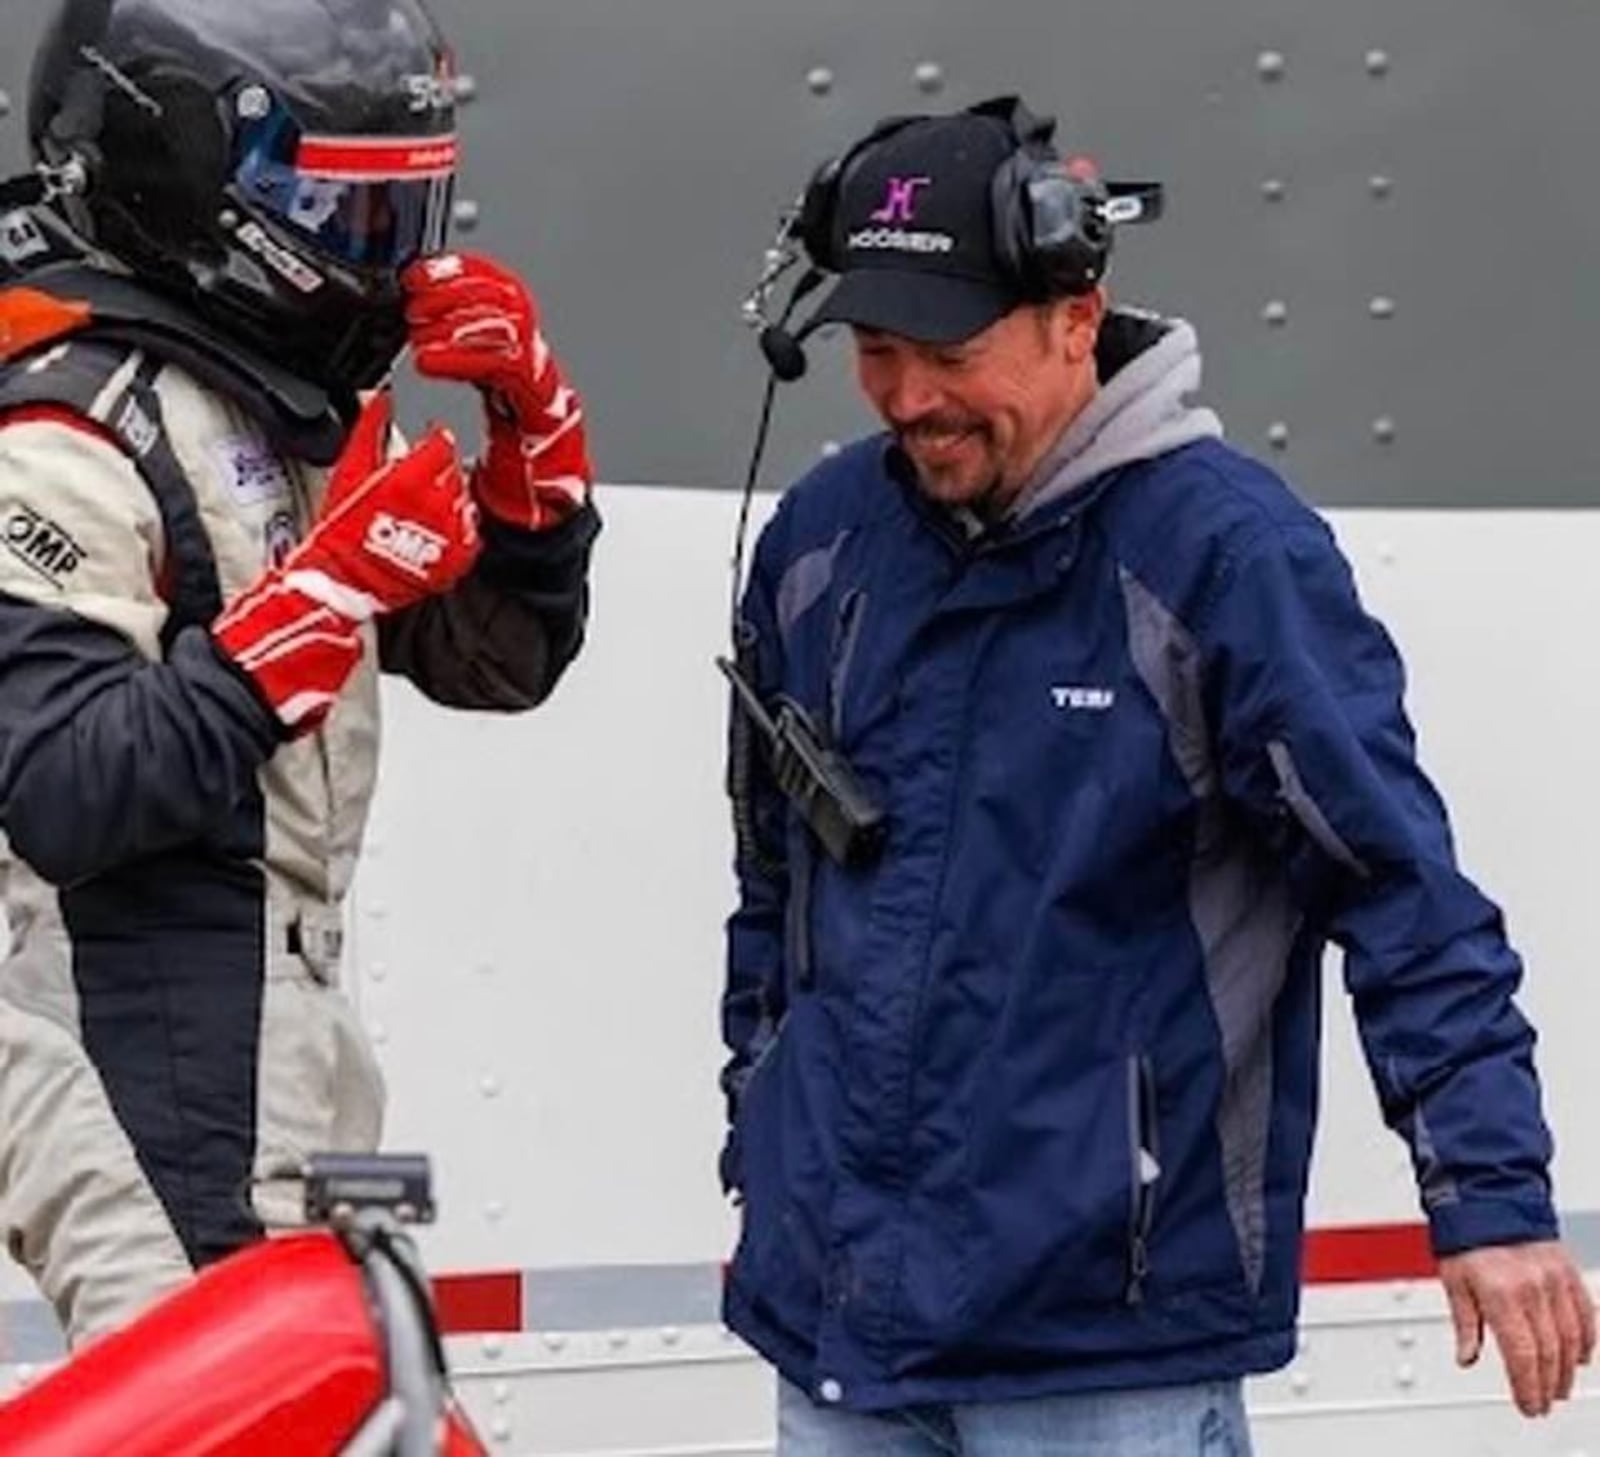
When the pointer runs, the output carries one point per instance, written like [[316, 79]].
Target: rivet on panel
[[1278, 435], [1377, 63], [466, 214], [819, 80], [377, 971], [554, 1341], [1387, 555], [5, 104], [1405, 1377], [493, 1348], [617, 1340], [1276, 312], [1401, 1293], [494, 1211], [1379, 185], [500, 1393], [489, 1085], [1299, 1382], [1383, 433], [830, 448], [1273, 189], [379, 1034], [500, 1429], [671, 1335], [1381, 307], [466, 88], [1270, 65], [929, 77], [1407, 1337]]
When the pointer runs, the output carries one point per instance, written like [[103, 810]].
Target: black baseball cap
[[914, 232]]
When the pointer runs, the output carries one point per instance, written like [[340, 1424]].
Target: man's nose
[[913, 393]]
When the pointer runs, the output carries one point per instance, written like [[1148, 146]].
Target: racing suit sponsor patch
[[43, 546], [254, 474]]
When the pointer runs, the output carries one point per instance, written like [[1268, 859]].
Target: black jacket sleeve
[[106, 757], [504, 635]]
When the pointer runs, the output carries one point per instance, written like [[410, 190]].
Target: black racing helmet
[[276, 163]]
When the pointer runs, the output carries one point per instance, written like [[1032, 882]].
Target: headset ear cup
[[1096, 233], [1071, 260], [1011, 224], [1050, 227]]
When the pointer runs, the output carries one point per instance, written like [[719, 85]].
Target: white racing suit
[[170, 1018]]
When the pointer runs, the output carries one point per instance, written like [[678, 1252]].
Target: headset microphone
[[782, 352], [782, 347]]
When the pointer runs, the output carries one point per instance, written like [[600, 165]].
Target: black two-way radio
[[814, 778]]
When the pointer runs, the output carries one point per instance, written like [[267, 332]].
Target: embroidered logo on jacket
[[1083, 700], [41, 545]]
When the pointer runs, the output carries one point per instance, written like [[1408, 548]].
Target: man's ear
[[1074, 323], [1079, 317]]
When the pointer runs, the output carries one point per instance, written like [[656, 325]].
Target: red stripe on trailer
[[494, 1301], [1353, 1253], [377, 159], [480, 1304]]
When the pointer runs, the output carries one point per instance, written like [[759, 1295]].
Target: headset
[[1051, 222]]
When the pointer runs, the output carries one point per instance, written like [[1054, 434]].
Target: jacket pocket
[[1055, 1212]]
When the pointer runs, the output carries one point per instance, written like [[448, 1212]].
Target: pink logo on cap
[[900, 201]]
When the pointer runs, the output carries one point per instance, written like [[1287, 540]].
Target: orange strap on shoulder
[[29, 318]]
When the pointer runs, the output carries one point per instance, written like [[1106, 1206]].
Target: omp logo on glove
[[40, 544], [404, 544]]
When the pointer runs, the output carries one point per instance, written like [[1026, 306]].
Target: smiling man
[[1022, 1104]]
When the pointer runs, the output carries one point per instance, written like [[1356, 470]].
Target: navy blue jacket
[[1027, 1106]]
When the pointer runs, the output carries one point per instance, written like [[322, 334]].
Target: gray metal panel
[[632, 155]]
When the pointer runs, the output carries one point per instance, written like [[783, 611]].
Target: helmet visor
[[371, 201]]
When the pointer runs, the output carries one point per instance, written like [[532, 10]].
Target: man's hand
[[388, 535], [472, 320], [1534, 1300]]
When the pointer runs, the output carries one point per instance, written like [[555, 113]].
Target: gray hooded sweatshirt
[[1139, 412]]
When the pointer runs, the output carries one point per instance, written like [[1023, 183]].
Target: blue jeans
[[1168, 1421]]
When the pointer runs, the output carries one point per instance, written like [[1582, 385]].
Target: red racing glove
[[389, 534], [472, 320]]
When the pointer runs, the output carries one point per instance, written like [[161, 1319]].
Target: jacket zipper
[[1144, 1147]]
